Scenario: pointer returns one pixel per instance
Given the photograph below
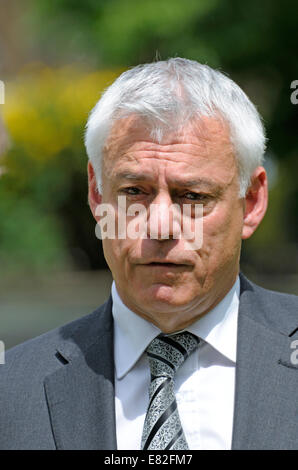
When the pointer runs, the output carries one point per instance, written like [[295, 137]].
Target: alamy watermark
[[2, 92], [294, 94], [294, 355], [2, 352], [159, 221]]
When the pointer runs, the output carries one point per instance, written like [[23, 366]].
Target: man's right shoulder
[[24, 415], [39, 355]]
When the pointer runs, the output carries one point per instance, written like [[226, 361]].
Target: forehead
[[201, 143]]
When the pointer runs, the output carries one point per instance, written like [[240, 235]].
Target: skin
[[195, 165]]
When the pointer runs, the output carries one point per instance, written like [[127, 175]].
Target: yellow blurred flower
[[46, 109]]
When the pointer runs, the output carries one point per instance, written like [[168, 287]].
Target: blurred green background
[[56, 57]]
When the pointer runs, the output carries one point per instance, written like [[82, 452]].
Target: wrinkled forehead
[[209, 135], [135, 127]]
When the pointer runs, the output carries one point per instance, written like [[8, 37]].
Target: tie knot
[[167, 353]]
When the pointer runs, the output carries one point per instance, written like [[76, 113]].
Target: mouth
[[155, 263], [166, 264]]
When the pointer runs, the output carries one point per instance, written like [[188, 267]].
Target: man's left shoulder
[[277, 309]]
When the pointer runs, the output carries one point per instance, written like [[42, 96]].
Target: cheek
[[117, 253], [115, 257], [114, 250], [222, 230]]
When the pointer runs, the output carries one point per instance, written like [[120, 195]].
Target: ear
[[94, 197], [256, 201]]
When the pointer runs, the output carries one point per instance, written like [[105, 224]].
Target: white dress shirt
[[204, 384]]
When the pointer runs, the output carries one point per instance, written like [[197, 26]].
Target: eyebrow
[[187, 183], [133, 176]]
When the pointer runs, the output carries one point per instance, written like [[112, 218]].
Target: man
[[186, 353]]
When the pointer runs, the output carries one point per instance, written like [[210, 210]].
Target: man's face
[[160, 279]]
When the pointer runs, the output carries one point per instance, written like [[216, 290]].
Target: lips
[[162, 262], [169, 265], [166, 263]]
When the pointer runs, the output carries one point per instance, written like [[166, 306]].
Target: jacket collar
[[80, 393]]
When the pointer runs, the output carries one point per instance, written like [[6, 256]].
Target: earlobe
[[94, 197], [256, 201]]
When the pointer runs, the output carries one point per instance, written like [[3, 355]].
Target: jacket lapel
[[265, 413], [80, 393]]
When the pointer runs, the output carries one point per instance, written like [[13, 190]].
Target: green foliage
[[135, 31], [41, 215], [31, 239]]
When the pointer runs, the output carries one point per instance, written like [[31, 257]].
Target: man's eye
[[195, 196], [132, 190]]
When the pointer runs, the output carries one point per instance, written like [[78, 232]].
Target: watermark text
[[294, 94], [2, 352], [157, 222], [294, 355], [2, 92]]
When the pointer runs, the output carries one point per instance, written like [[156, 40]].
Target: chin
[[163, 296]]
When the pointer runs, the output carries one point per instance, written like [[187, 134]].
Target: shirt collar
[[132, 333], [219, 326]]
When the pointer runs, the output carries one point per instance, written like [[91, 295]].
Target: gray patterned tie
[[162, 427]]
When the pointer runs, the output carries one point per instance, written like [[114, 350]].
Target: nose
[[162, 222]]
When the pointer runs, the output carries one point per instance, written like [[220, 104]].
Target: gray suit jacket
[[57, 390]]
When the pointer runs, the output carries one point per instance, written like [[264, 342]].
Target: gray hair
[[167, 94]]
